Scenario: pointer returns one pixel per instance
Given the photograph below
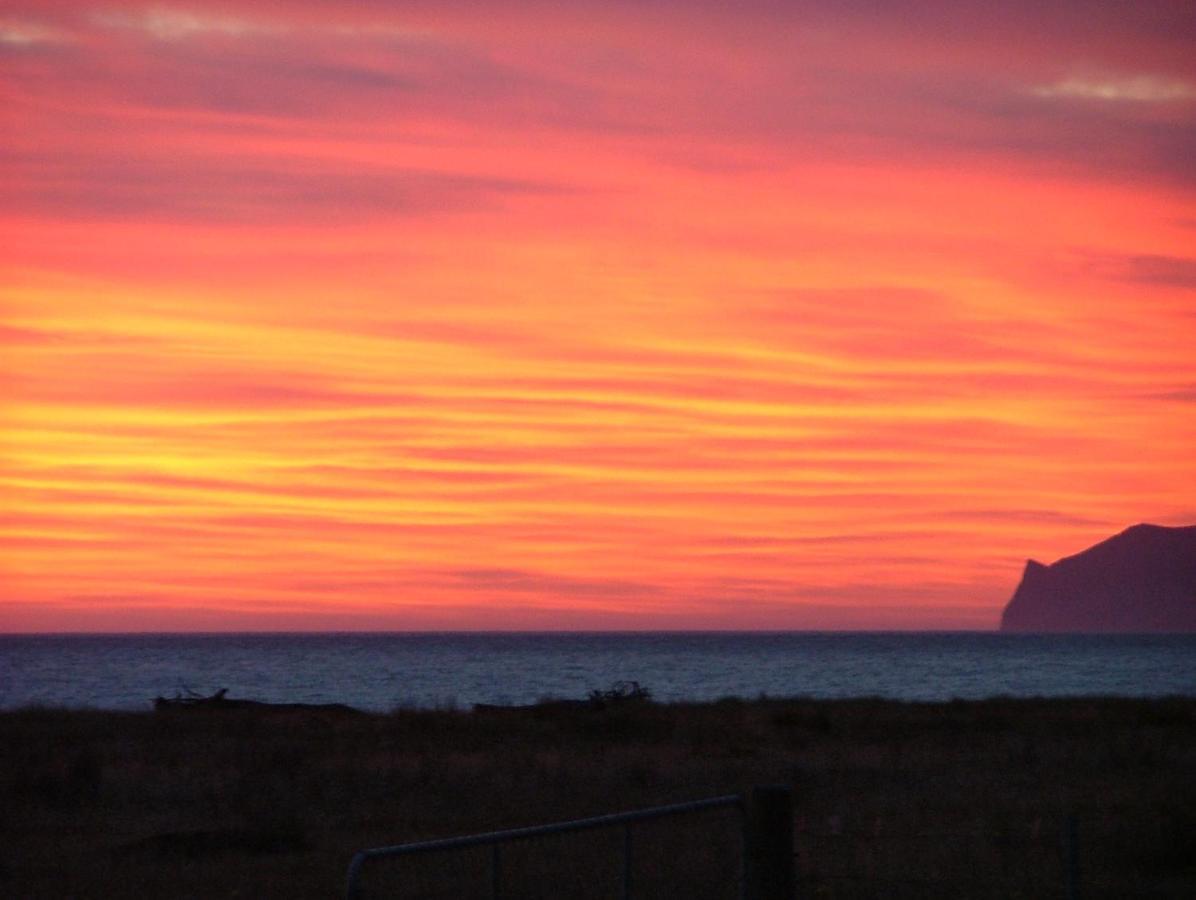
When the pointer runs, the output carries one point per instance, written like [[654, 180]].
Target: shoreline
[[551, 703]]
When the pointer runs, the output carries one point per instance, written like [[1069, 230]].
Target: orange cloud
[[581, 315]]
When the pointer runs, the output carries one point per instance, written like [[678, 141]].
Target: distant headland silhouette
[[1141, 580]]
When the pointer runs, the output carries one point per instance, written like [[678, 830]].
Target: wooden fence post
[[1071, 856], [768, 844]]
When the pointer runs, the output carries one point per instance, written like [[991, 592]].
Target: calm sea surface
[[383, 671]]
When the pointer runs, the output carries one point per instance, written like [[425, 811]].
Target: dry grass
[[954, 799]]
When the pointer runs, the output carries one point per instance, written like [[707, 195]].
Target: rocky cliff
[[1142, 580]]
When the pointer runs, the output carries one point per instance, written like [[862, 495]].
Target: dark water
[[382, 671]]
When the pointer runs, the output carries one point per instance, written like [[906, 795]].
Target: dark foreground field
[[892, 799]]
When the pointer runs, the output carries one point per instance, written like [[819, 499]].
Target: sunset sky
[[564, 315]]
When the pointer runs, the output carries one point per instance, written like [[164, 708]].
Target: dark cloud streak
[[806, 94], [209, 189]]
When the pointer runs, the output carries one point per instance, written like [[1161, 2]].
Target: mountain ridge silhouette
[[1140, 580]]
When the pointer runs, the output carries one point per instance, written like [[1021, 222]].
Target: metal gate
[[765, 868]]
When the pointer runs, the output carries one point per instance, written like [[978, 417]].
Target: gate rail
[[766, 871]]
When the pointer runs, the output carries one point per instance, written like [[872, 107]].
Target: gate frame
[[766, 814]]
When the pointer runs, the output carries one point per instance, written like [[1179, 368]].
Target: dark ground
[[893, 799]]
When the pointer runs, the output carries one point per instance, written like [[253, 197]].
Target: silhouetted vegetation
[[893, 799], [620, 692]]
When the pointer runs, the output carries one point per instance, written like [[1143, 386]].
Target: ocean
[[385, 671]]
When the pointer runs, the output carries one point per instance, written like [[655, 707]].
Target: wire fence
[[701, 851], [1038, 858]]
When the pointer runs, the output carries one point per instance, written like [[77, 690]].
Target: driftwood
[[619, 693], [542, 708], [220, 700]]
